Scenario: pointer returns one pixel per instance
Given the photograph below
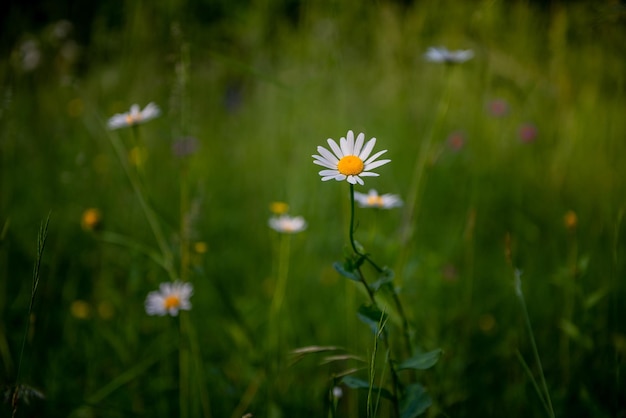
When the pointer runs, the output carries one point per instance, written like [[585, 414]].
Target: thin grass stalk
[[185, 226], [283, 273], [275, 331], [520, 295], [372, 373], [419, 169], [569, 290], [147, 210], [42, 236], [184, 398]]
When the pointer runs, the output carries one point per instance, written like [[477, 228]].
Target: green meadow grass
[[260, 92]]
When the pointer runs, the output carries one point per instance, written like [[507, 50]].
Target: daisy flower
[[374, 200], [349, 160], [287, 224], [441, 54], [134, 116], [169, 299]]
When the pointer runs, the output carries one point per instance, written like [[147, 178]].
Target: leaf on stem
[[421, 361], [385, 278], [356, 383], [347, 270], [415, 401], [372, 316]]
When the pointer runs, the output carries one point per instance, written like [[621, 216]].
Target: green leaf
[[385, 278], [356, 383], [575, 334], [415, 401], [346, 270], [421, 361], [372, 316], [595, 297]]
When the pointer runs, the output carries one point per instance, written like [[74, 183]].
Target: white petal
[[368, 149], [352, 179], [373, 157], [333, 145], [186, 290], [343, 143], [328, 173], [324, 163], [375, 164], [350, 143], [328, 155], [369, 174], [359, 143]]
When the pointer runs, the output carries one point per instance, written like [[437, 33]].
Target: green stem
[[184, 224], [396, 299], [184, 370], [283, 272], [148, 212], [520, 295], [395, 380]]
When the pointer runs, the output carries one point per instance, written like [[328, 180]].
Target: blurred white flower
[[134, 116], [29, 55], [350, 160], [287, 224], [169, 299], [441, 54], [374, 200]]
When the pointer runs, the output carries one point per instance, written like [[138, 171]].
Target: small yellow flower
[[106, 310], [80, 309], [200, 247], [570, 219], [75, 107], [137, 156], [91, 219], [279, 208]]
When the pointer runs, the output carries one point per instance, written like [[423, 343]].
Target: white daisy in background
[[169, 299], [287, 224], [350, 160], [441, 54], [374, 200], [134, 116]]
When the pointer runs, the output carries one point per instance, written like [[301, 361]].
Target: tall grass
[[260, 92]]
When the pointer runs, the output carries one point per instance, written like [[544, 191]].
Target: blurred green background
[[261, 84]]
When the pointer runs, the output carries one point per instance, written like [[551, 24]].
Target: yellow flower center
[[172, 301], [132, 118], [375, 201], [350, 165]]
